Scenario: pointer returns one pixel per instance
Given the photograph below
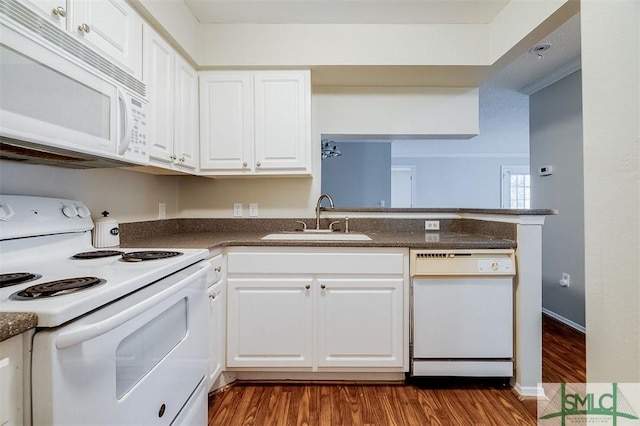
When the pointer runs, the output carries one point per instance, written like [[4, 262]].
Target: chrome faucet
[[320, 198]]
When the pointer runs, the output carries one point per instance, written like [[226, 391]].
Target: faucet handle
[[333, 223], [304, 225]]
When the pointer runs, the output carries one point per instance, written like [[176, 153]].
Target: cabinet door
[[226, 122], [360, 322], [269, 322], [11, 381], [159, 77], [185, 141], [217, 325], [52, 9], [282, 121], [113, 27]]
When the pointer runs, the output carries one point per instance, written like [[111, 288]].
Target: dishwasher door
[[462, 322]]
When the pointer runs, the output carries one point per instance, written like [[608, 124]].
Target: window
[[516, 187]]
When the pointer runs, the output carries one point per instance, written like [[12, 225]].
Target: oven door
[[134, 362]]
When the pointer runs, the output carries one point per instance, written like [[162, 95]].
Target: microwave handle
[[125, 137], [83, 333]]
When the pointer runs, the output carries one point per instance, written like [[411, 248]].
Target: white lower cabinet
[[317, 309], [14, 384], [360, 322], [269, 322]]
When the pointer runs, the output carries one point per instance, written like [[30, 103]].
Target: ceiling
[[529, 69], [521, 73], [346, 11]]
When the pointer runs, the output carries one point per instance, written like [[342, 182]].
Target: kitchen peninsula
[[392, 228]]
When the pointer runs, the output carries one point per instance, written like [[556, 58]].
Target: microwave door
[[47, 100]]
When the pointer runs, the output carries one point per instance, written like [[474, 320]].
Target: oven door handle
[[90, 331]]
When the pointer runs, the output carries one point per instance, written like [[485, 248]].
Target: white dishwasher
[[462, 312]]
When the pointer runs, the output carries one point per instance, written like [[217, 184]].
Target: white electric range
[[120, 339]]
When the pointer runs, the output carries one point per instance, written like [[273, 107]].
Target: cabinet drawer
[[319, 262], [217, 269]]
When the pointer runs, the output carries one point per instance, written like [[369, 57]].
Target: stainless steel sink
[[313, 236]]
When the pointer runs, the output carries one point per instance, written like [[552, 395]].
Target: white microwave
[[52, 101]]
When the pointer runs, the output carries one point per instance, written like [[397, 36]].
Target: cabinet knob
[[212, 296], [218, 268], [258, 164], [322, 286], [173, 158], [182, 159], [244, 164], [307, 287], [59, 11], [84, 28]]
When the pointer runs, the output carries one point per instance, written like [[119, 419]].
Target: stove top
[[53, 251]]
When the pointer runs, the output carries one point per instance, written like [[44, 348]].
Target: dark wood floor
[[429, 402]]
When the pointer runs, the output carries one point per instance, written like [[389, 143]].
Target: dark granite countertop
[[431, 240], [14, 323], [510, 212]]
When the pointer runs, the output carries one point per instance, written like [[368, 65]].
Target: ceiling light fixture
[[330, 149], [539, 48]]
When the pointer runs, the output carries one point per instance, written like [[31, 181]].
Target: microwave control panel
[[138, 149]]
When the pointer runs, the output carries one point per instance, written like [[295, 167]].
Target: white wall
[[435, 111], [611, 114], [556, 140], [371, 44], [128, 196], [278, 45]]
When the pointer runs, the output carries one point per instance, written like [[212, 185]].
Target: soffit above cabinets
[[346, 12]]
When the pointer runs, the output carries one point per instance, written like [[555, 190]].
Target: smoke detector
[[538, 49]]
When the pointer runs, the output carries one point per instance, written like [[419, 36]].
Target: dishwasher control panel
[[462, 262], [495, 265]]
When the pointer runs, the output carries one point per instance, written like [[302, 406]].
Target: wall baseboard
[[565, 321]]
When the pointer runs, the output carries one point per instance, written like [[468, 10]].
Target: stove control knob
[[6, 212], [70, 210], [83, 211]]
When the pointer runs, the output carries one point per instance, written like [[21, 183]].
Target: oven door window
[[143, 349]]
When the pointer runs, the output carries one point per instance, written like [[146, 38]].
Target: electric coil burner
[[141, 256], [15, 278], [58, 288], [98, 254]]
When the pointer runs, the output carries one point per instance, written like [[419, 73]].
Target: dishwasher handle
[[83, 333]]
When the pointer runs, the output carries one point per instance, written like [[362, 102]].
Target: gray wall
[[361, 177], [473, 181], [556, 140]]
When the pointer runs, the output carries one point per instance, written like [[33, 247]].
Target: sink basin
[[310, 236]]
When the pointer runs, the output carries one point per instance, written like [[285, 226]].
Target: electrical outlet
[[162, 210], [565, 281], [253, 209], [431, 225], [237, 209]]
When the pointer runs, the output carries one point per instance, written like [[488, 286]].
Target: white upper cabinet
[[173, 105], [226, 122], [282, 116], [111, 27], [186, 129], [255, 123]]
